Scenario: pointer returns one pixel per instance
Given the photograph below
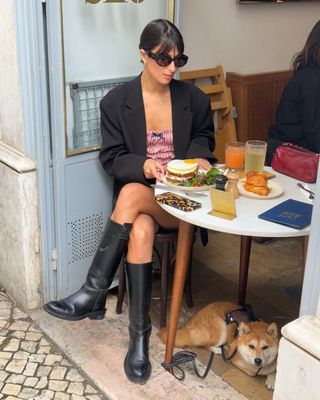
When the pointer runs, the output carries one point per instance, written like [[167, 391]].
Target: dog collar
[[241, 314]]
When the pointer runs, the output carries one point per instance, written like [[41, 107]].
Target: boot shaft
[[108, 255], [139, 287]]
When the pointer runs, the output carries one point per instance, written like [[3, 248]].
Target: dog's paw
[[270, 381]]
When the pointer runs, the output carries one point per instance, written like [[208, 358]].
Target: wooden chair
[[165, 239], [212, 82]]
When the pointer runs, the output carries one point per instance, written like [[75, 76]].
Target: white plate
[[188, 189], [276, 190]]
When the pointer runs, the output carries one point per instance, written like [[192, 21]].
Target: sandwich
[[257, 183], [180, 171]]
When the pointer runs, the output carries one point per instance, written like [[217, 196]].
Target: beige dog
[[253, 347]]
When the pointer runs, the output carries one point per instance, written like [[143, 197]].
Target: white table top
[[246, 222]]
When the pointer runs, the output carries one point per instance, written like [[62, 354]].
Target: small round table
[[246, 224]]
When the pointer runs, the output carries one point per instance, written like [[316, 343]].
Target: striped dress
[[160, 145]]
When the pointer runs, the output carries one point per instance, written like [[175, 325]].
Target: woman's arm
[[310, 116], [114, 155]]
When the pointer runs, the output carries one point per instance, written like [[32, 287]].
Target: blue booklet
[[291, 212]]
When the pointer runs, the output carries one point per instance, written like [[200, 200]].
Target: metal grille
[[86, 97], [85, 235]]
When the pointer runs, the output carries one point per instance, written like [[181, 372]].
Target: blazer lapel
[[135, 118], [181, 120]]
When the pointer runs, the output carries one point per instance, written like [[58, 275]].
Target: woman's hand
[[153, 169], [203, 163]]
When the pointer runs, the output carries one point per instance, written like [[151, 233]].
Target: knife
[[311, 193]]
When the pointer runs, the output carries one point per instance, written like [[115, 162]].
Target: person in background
[[298, 113], [144, 124]]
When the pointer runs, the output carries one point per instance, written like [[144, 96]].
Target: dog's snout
[[258, 361]]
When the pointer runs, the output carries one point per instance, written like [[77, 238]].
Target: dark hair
[[161, 32], [310, 54]]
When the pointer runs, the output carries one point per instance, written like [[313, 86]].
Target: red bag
[[297, 162]]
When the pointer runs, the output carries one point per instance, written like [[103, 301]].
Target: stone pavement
[[32, 366], [44, 358]]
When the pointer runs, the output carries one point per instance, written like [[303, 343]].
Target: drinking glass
[[235, 155], [255, 155]]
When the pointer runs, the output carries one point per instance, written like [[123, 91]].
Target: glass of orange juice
[[235, 155]]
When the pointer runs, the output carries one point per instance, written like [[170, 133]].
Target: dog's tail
[[182, 337]]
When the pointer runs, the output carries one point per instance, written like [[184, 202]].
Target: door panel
[[88, 204], [91, 48]]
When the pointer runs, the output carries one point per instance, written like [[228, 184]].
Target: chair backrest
[[212, 82]]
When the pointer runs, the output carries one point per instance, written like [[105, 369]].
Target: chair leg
[[245, 249], [188, 286], [121, 287], [164, 283]]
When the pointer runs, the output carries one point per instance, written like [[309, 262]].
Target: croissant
[[256, 183]]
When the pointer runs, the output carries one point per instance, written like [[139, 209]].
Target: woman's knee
[[143, 230], [133, 192], [134, 189]]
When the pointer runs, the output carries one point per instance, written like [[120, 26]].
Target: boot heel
[[98, 315]]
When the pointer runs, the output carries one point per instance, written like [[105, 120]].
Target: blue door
[[92, 46]]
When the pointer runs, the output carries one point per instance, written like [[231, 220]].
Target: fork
[[311, 193], [195, 194]]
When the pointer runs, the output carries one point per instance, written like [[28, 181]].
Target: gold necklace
[[159, 100]]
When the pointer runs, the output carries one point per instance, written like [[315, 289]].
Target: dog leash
[[183, 357], [223, 353]]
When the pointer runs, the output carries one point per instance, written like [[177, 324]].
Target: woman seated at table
[[144, 124], [298, 113]]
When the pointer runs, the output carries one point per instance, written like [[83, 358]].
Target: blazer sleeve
[[202, 142], [114, 155]]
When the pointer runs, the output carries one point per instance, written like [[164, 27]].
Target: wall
[[245, 38], [19, 233], [10, 96], [19, 237]]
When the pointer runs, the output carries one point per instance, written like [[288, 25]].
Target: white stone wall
[[11, 131], [19, 237], [19, 232], [299, 361]]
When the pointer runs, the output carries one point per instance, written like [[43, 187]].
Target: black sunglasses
[[179, 60]]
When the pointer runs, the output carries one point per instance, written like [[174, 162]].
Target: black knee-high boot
[[89, 301], [139, 284]]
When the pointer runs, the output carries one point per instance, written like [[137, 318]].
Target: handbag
[[296, 161]]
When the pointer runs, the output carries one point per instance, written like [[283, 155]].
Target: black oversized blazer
[[123, 128]]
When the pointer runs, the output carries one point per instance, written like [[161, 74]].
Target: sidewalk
[[32, 366], [45, 358]]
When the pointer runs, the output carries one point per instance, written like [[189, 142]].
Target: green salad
[[203, 178]]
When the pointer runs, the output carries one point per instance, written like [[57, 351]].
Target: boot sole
[[95, 315]]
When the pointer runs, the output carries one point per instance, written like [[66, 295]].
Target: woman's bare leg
[[135, 199], [141, 240]]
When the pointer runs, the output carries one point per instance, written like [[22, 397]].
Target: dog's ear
[[272, 330], [244, 329]]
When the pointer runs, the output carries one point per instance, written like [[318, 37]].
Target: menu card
[[294, 213], [223, 204]]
